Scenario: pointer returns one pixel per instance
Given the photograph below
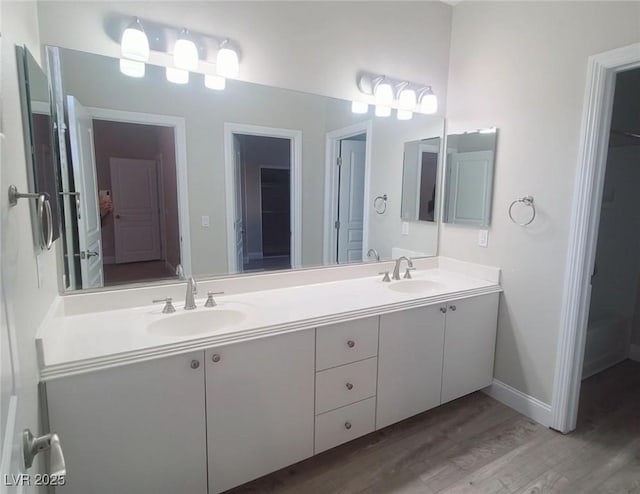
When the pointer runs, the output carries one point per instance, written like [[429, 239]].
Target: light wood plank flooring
[[476, 445]]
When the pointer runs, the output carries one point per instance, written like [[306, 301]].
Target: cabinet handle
[[443, 310], [452, 307], [347, 425], [215, 357], [351, 343], [195, 364], [349, 386]]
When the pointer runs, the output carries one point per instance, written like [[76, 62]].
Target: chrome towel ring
[[44, 211], [527, 201], [380, 204]]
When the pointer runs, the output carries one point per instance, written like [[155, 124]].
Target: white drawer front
[[344, 424], [340, 344], [346, 384]]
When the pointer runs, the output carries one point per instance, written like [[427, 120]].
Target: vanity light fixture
[[383, 111], [185, 52], [177, 76], [404, 114], [383, 93], [227, 64], [428, 101], [134, 44], [407, 98], [132, 68], [214, 82], [359, 107]]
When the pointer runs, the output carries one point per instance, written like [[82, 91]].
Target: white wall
[[27, 303], [521, 66], [317, 47]]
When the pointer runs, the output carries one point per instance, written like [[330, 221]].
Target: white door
[[86, 184], [409, 363], [136, 211], [238, 226], [470, 179], [351, 201]]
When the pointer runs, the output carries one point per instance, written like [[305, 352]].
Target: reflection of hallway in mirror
[[265, 182], [135, 272], [137, 186]]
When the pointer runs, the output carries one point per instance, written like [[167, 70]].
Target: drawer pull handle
[[349, 386], [452, 307], [195, 364], [215, 357], [443, 310], [347, 425], [351, 343]]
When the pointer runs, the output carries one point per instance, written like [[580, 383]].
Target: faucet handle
[[385, 278], [407, 273], [168, 305], [210, 301]]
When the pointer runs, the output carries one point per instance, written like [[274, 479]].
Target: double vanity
[[282, 367]]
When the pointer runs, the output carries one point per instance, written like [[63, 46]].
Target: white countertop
[[72, 344]]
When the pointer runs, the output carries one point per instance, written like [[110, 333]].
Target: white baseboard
[[520, 402], [108, 259], [634, 352]]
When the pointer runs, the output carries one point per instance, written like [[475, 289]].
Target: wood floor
[[476, 445]]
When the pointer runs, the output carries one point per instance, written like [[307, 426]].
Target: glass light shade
[[185, 54], [359, 107], [429, 104], [404, 115], [383, 111], [384, 94], [177, 76], [227, 64], [132, 68], [134, 44], [214, 82], [407, 100]]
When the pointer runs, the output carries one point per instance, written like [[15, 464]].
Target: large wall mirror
[[178, 177], [469, 177]]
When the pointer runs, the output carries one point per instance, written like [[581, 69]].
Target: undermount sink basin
[[415, 286], [193, 323]]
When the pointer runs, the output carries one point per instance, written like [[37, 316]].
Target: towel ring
[[380, 204], [44, 211], [527, 201]]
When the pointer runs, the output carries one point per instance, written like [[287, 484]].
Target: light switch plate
[[483, 238], [205, 222], [405, 228]]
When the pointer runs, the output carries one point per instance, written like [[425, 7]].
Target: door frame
[[180, 141], [331, 193], [295, 138], [583, 235]]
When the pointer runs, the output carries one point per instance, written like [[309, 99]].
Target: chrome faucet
[[396, 269], [192, 289], [180, 272], [373, 253]]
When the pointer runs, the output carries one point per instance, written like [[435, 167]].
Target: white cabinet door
[[134, 429], [409, 363], [469, 345], [260, 407]]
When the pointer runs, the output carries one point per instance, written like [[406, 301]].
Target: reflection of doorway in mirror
[[136, 165], [263, 202]]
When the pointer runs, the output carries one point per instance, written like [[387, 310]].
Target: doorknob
[[33, 445], [86, 254]]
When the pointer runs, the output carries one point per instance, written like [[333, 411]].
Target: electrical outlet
[[205, 222], [483, 238], [405, 228]]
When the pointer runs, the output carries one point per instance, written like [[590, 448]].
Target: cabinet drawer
[[344, 424], [340, 344], [346, 384]]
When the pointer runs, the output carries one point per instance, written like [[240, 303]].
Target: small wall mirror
[[42, 168], [469, 177], [420, 179]]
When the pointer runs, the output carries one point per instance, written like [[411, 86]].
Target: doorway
[[595, 328], [346, 187], [263, 212]]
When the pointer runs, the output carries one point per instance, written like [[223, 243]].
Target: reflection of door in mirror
[[263, 210], [427, 182], [351, 199]]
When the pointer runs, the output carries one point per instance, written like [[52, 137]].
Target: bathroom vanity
[[162, 403]]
